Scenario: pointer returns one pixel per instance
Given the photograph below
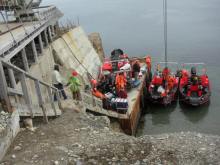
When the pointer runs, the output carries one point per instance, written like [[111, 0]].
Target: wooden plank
[[24, 59], [15, 91], [12, 82], [58, 99], [38, 112], [40, 100], [4, 95], [26, 93], [51, 100]]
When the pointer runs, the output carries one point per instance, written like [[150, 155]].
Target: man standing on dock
[[136, 68], [57, 82]]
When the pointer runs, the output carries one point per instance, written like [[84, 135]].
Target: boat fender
[[145, 92], [142, 101], [150, 76], [147, 81]]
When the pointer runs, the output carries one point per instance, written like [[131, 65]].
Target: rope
[[77, 59]]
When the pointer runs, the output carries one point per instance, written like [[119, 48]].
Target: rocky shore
[[82, 138], [4, 120]]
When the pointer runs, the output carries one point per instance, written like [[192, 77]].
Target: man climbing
[[136, 68], [57, 82], [74, 87], [148, 62]]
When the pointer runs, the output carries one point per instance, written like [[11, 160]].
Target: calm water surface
[[137, 28]]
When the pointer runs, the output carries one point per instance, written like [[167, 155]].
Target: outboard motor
[[193, 71]]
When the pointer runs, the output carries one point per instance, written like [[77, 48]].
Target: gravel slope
[[77, 138]]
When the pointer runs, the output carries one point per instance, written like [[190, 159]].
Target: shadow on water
[[194, 114], [160, 115]]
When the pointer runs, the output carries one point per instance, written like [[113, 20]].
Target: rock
[[17, 148], [35, 156], [13, 156], [96, 42], [106, 128], [61, 148], [28, 123], [56, 163]]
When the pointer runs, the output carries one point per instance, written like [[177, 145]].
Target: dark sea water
[[137, 28]]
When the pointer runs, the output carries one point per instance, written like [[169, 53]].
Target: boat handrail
[[170, 63], [194, 64]]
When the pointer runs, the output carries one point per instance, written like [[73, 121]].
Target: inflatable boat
[[194, 88]]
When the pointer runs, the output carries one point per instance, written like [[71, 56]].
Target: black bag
[[105, 103], [116, 93]]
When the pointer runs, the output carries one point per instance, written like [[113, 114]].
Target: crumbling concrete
[[9, 133]]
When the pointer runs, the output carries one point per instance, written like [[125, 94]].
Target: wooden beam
[[45, 38], [15, 91], [24, 59], [12, 82], [26, 93], [40, 100], [51, 100], [34, 51], [58, 99], [4, 95], [41, 44], [16, 69], [49, 34]]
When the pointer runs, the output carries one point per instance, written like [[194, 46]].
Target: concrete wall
[[80, 45], [85, 55], [10, 132]]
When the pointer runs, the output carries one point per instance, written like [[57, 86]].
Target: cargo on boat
[[121, 93]]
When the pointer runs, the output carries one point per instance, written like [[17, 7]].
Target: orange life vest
[[148, 62], [165, 73], [96, 93], [184, 73], [139, 64]]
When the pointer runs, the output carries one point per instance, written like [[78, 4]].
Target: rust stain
[[11, 29]]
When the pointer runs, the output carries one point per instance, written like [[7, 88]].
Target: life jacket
[[170, 80], [117, 82], [139, 64], [96, 93], [165, 73], [148, 61], [124, 55], [184, 73]]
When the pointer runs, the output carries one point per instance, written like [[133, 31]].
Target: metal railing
[[45, 16]]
